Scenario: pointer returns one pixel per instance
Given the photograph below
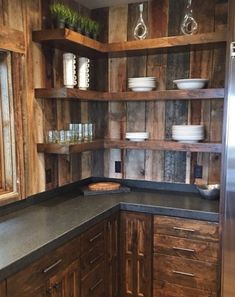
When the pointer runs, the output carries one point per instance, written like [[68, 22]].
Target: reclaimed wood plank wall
[[163, 18]]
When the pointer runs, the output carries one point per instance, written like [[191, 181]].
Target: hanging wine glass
[[140, 31], [189, 26]]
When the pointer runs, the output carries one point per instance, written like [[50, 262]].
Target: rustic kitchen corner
[[132, 95]]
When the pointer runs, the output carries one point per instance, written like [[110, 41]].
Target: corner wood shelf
[[159, 145], [66, 93], [66, 39]]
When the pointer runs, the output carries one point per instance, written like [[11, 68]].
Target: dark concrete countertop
[[28, 233]]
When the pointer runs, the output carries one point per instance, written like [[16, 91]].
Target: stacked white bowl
[[187, 133], [137, 136], [142, 84]]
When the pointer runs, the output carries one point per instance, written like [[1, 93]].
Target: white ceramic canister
[[83, 73], [69, 70]]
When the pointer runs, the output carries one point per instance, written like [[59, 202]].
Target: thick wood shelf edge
[[162, 145], [75, 93], [12, 39], [66, 149], [159, 145], [155, 43]]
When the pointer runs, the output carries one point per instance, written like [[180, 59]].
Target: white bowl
[[191, 83], [137, 136], [142, 78], [142, 89]]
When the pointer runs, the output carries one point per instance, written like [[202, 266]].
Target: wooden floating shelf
[[66, 149], [66, 93], [162, 145], [66, 39], [12, 39], [159, 145]]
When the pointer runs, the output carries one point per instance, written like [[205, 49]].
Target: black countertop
[[28, 233]]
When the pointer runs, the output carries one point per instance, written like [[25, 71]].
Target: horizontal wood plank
[[65, 38], [166, 42], [88, 95], [12, 39], [159, 145]]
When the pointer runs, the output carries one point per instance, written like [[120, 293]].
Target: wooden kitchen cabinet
[[136, 254], [55, 267], [65, 283], [186, 258], [93, 261], [112, 256], [3, 289]]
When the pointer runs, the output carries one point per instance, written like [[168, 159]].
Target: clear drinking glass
[[188, 25]]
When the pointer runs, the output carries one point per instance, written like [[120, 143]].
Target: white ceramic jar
[[69, 70]]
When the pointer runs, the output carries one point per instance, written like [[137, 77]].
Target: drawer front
[[34, 276], [93, 285], [184, 272], [186, 228], [165, 289], [187, 248], [92, 258], [92, 237]]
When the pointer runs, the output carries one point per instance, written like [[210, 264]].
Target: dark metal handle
[[183, 273], [183, 229], [95, 259], [52, 266], [95, 237], [96, 285], [183, 249]]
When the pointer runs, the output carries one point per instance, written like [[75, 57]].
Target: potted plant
[[78, 26], [59, 13], [71, 19], [86, 26], [96, 28]]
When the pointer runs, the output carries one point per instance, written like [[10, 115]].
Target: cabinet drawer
[[34, 276], [187, 248], [92, 237], [184, 272], [186, 228], [165, 289], [93, 285], [92, 258]]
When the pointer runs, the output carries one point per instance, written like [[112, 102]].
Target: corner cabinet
[[68, 40], [136, 254]]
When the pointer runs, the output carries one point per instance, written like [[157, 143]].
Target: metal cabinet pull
[[96, 285], [183, 273], [183, 229], [95, 259], [183, 249], [95, 237], [52, 266]]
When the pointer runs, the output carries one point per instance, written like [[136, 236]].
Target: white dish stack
[[142, 84], [83, 73], [188, 133], [137, 136]]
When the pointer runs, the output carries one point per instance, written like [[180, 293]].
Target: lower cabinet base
[[171, 290]]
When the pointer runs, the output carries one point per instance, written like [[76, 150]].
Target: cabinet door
[[112, 255], [3, 289], [136, 254], [65, 283]]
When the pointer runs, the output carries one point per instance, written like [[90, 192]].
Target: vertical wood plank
[[155, 111], [117, 82]]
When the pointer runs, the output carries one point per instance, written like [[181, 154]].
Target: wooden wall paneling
[[13, 14], [200, 66], [19, 86], [155, 111], [32, 21], [3, 292], [117, 82], [177, 111], [217, 79], [135, 111]]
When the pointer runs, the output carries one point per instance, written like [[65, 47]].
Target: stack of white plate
[[188, 133], [142, 84], [137, 136]]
